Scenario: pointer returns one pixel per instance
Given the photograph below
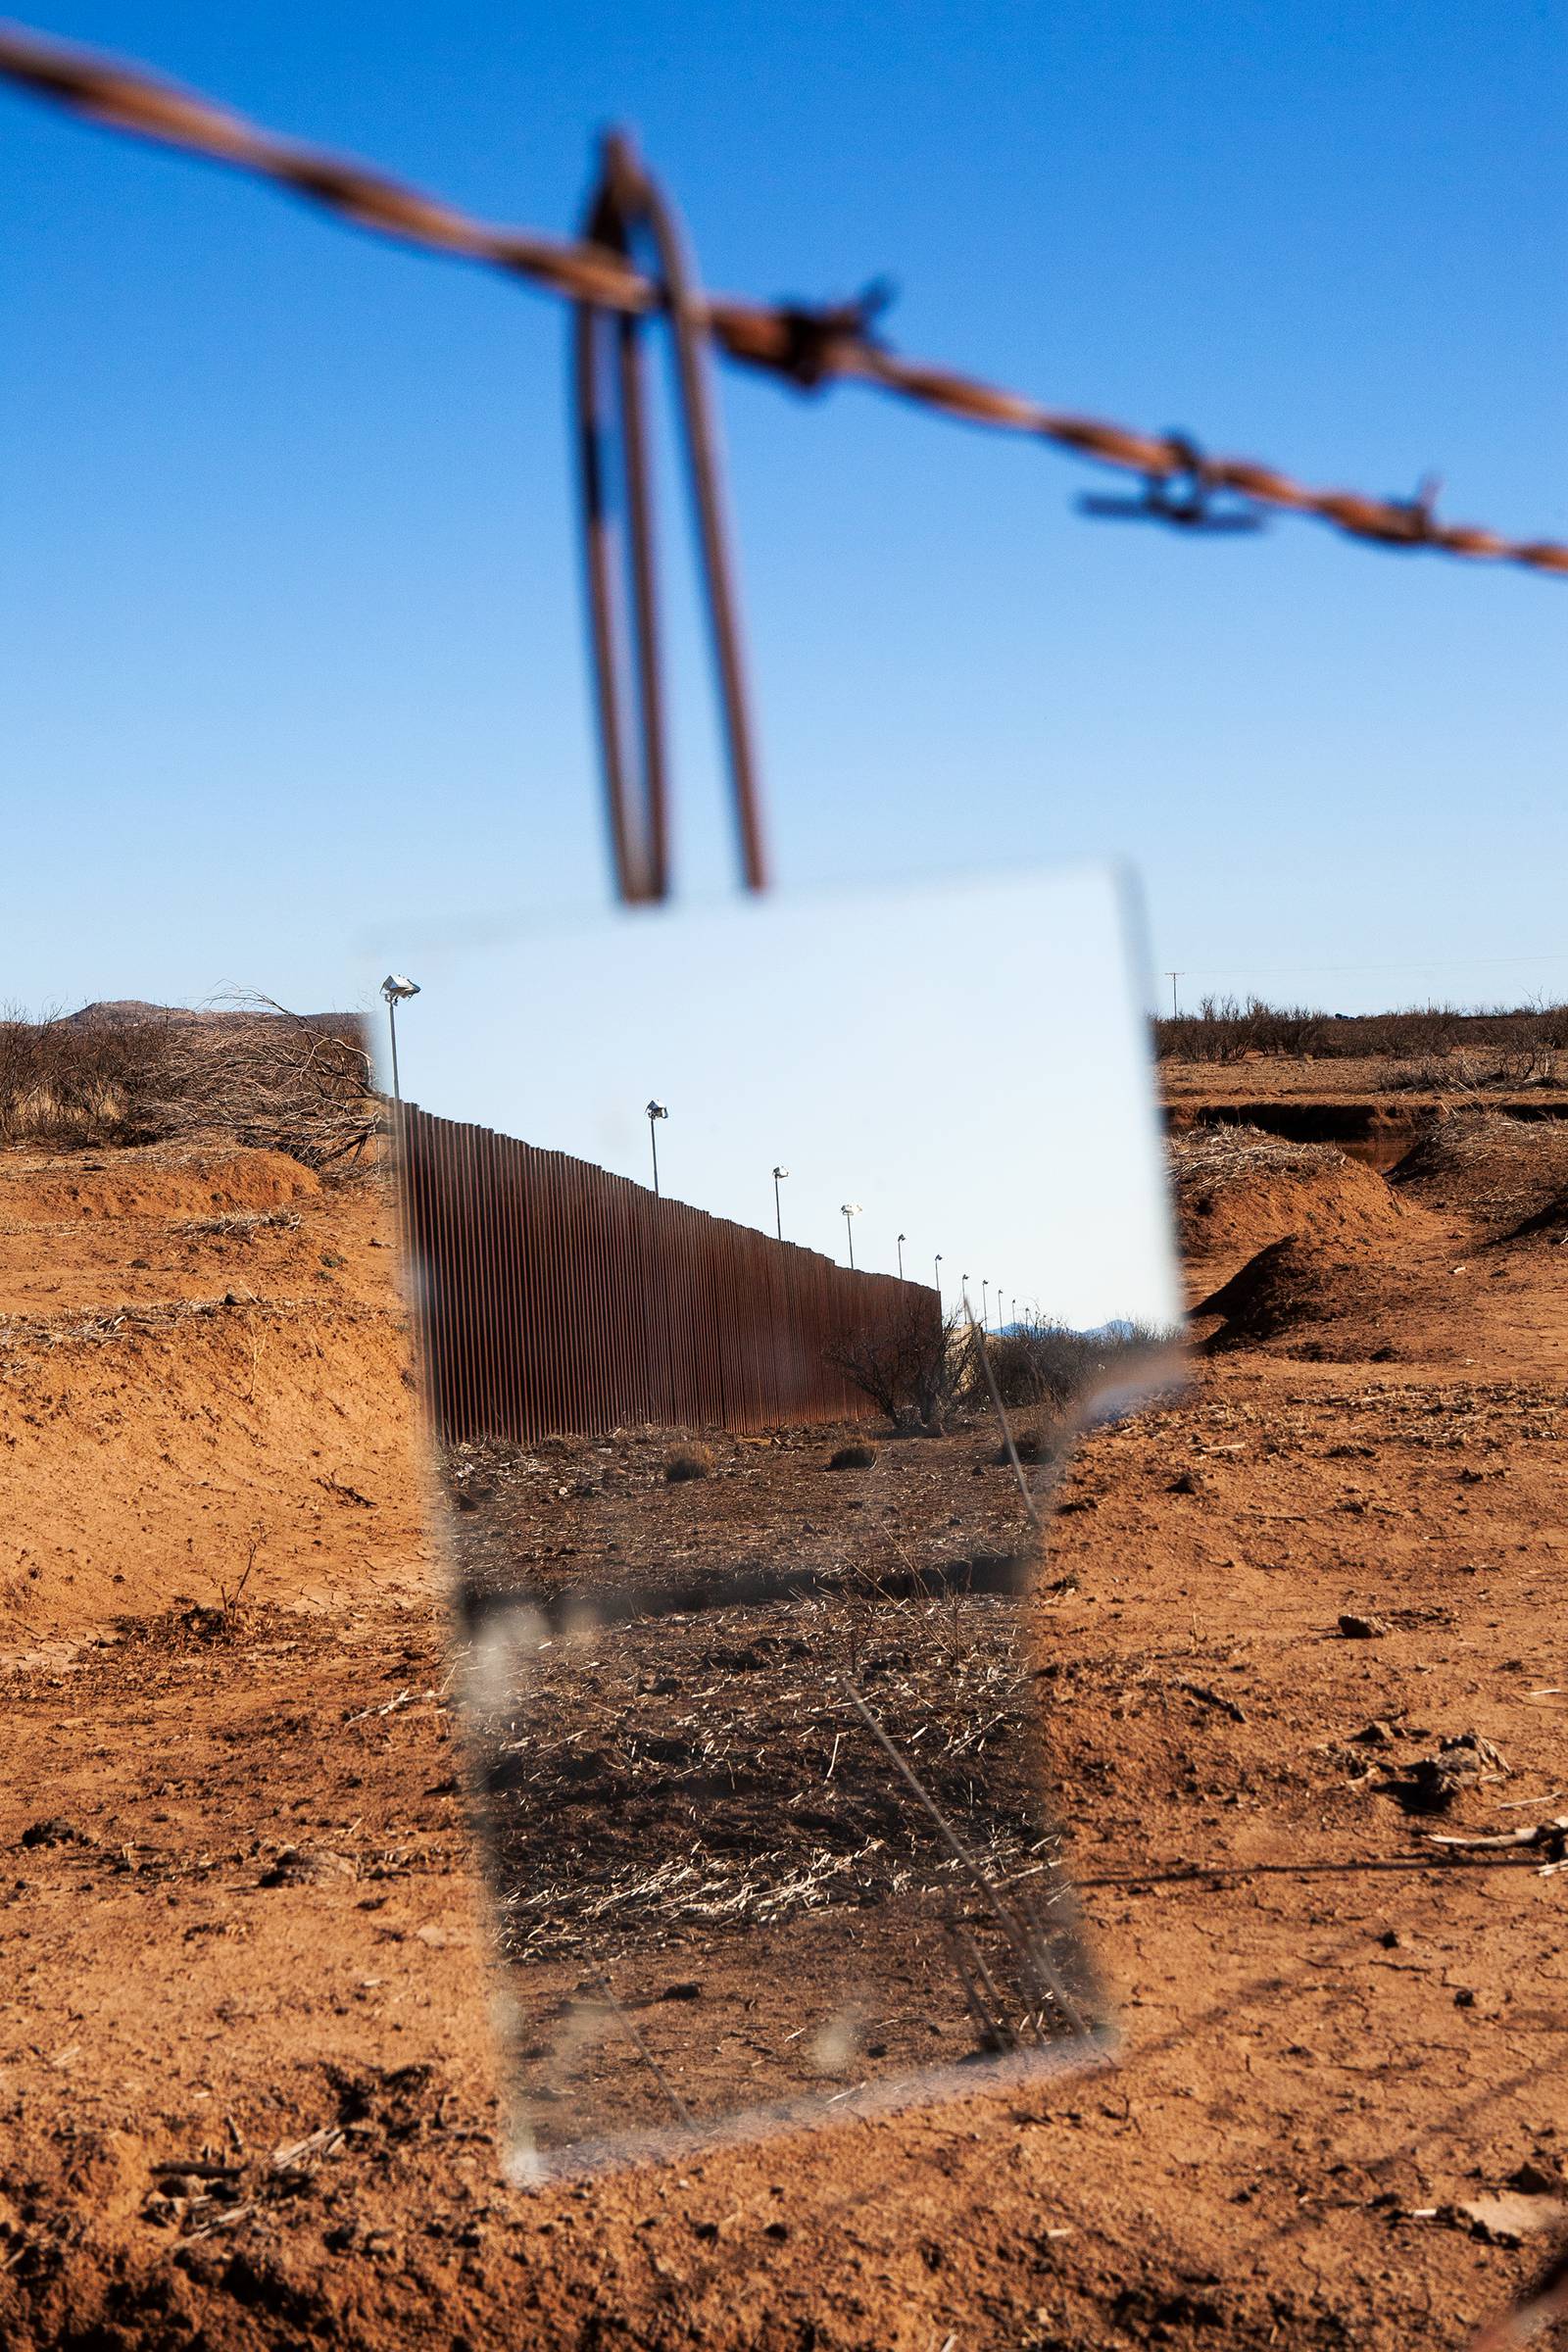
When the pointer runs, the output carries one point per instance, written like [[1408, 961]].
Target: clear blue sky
[[289, 596]]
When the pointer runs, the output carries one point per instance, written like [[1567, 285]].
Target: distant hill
[[135, 1012]]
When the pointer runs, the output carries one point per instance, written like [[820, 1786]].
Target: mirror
[[766, 1260]]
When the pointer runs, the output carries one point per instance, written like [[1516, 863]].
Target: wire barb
[[1184, 493], [822, 339]]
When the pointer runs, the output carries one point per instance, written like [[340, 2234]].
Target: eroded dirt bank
[[245, 2084]]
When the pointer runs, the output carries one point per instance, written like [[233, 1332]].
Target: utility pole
[[1173, 977]]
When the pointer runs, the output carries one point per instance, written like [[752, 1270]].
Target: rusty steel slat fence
[[556, 1299]]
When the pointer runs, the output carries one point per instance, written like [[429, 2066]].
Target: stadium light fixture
[[656, 1112], [397, 988]]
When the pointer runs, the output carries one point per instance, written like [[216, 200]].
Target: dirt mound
[[1294, 1281], [47, 1188], [1238, 1189], [1509, 1174], [181, 1393]]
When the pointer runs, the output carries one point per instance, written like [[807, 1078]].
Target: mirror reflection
[[766, 1261]]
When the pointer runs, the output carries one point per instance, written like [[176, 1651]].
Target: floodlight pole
[[938, 1277], [656, 1112], [394, 988], [902, 1238], [985, 1304], [850, 1210], [778, 1212]]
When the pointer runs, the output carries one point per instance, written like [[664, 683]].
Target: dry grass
[[691, 1462], [1226, 1153], [853, 1458], [715, 1805], [238, 1224], [1470, 1074], [1505, 1170]]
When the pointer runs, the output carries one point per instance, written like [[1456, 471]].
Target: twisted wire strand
[[809, 346]]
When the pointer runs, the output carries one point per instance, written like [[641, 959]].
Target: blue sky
[[289, 590]]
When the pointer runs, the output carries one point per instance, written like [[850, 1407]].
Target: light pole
[[656, 1112], [902, 1238], [779, 1175], [985, 1304], [850, 1209], [938, 1277], [397, 988], [963, 1293]]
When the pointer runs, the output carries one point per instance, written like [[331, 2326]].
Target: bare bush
[[255, 1072], [912, 1367], [63, 1080], [1226, 1029], [1042, 1363], [270, 1077]]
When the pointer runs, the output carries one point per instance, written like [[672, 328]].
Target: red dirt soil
[[245, 2091]]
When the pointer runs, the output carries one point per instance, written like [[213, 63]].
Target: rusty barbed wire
[[809, 345]]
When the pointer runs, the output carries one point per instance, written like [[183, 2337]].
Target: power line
[[1411, 963], [810, 345]]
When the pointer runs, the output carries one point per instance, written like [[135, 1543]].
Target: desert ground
[[248, 2083]]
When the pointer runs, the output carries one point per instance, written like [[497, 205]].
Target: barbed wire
[[810, 345]]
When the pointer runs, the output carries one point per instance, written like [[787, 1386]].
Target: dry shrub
[[67, 1080], [853, 1458], [913, 1366], [254, 1072], [1225, 1029], [266, 1076], [692, 1461], [1043, 1363]]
